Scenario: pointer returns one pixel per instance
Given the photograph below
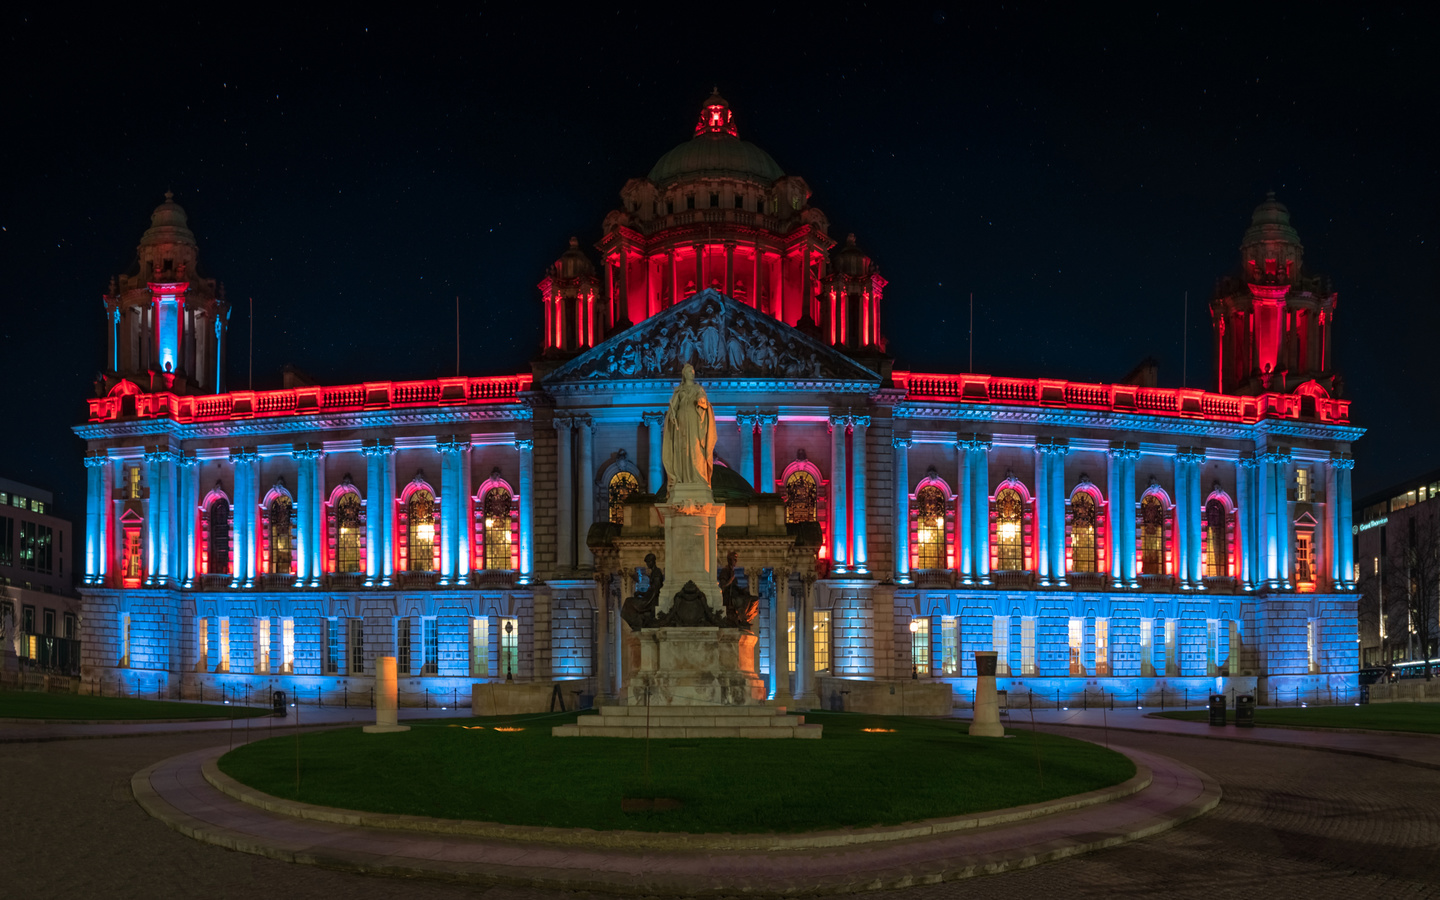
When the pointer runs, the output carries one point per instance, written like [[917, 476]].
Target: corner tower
[[1273, 320], [166, 323]]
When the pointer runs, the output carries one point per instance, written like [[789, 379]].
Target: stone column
[[805, 694], [1344, 513], [465, 515], [189, 511], [94, 501], [239, 517], [859, 552], [767, 452], [1183, 515], [655, 468], [986, 722], [106, 551], [1282, 516], [980, 506], [526, 501], [730, 272], [745, 422], [902, 508], [602, 634], [839, 496], [1043, 493], [304, 494], [387, 513], [374, 454], [317, 555], [1127, 493], [964, 511], [1058, 451], [587, 489], [154, 515], [565, 494], [1197, 517], [1114, 521], [780, 640], [1244, 474], [449, 492]]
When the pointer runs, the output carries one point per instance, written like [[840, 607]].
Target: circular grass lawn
[[904, 770], [85, 708]]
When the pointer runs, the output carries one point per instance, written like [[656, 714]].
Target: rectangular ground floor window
[[287, 646], [509, 647], [1000, 640], [334, 645], [224, 644], [1027, 645], [402, 646], [124, 640], [480, 647], [431, 629], [357, 646], [1232, 651], [1312, 645], [262, 646], [1077, 646], [202, 644], [1172, 662], [820, 632], [1102, 647], [790, 637], [949, 646], [1147, 648], [1212, 647], [920, 645]]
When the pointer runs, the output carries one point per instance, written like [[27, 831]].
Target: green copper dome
[[715, 156], [716, 151]]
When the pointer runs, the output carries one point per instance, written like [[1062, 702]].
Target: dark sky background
[[1080, 172]]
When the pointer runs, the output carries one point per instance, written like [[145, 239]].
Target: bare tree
[[1411, 581]]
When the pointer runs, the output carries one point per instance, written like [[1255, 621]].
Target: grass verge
[[1417, 717], [36, 705], [921, 769]]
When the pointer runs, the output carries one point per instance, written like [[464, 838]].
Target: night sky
[[1080, 175]]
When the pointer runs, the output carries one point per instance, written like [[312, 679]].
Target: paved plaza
[[1294, 822]]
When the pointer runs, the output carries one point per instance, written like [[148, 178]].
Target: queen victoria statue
[[688, 450]]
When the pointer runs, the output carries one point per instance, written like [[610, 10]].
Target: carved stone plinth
[[696, 667], [692, 518], [987, 702]]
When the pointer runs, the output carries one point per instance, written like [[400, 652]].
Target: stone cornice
[[365, 419]]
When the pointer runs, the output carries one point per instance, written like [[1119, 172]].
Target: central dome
[[715, 152]]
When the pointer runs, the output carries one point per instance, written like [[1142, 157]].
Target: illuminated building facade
[[1098, 536], [39, 613], [1391, 526]]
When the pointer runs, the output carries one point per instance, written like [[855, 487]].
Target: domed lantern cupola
[[568, 292], [716, 117], [851, 296], [1273, 321]]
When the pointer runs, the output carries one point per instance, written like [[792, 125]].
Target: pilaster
[[839, 496], [902, 508], [586, 426], [564, 509], [767, 450], [526, 450], [655, 432], [745, 422], [859, 548]]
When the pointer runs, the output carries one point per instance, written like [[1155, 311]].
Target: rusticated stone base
[[690, 722], [696, 667]]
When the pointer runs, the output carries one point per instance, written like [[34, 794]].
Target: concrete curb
[[175, 792], [667, 841], [1315, 728]]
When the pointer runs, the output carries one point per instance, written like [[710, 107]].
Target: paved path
[[1293, 824], [1418, 749], [176, 792], [13, 732]]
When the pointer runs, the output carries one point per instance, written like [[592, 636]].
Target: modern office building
[[39, 611], [1116, 537], [1397, 554]]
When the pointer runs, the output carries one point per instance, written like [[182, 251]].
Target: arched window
[[496, 509], [800, 495], [1009, 530], [1083, 514], [930, 528], [420, 514], [622, 485], [279, 525], [218, 557], [1217, 548], [1152, 536], [347, 532]]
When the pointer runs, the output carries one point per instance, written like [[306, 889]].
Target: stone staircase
[[671, 722]]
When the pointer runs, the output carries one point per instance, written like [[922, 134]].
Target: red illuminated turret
[[568, 291], [1273, 321], [852, 300]]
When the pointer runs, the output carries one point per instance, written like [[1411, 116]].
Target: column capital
[[96, 459], [839, 422], [1124, 450], [900, 441], [159, 454], [186, 460], [859, 421], [582, 421], [452, 444], [1248, 461], [652, 419], [1342, 462], [973, 441], [243, 454], [307, 451], [525, 445], [1194, 455], [746, 418], [377, 448], [767, 418], [1052, 446], [1277, 455], [563, 423]]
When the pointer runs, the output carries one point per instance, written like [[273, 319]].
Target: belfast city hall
[[1122, 537]]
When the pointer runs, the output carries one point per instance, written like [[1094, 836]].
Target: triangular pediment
[[721, 338]]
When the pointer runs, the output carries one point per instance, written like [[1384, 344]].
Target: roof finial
[[169, 196]]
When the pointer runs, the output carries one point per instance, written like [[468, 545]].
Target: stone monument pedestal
[[692, 519], [386, 698], [704, 666], [987, 703]]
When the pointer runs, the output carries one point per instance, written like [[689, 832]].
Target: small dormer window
[[690, 201], [169, 264], [1302, 485], [714, 199], [739, 201], [669, 207]]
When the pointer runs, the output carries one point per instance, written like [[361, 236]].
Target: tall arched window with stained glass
[[622, 486]]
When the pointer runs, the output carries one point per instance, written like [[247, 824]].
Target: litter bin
[[1364, 693], [1217, 709], [277, 705], [1245, 711]]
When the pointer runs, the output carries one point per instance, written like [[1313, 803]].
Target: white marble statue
[[688, 450]]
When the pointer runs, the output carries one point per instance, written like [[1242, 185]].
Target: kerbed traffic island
[[502, 802]]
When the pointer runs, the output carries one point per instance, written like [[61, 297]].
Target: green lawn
[[1422, 717], [35, 705], [923, 769]]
